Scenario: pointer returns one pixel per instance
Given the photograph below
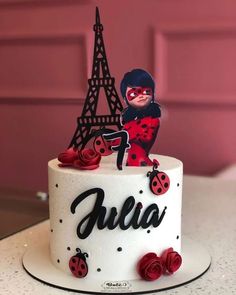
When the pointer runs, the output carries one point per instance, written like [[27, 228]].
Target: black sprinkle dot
[[99, 269], [148, 231], [140, 191], [159, 190], [154, 183], [144, 126], [80, 273], [73, 260], [119, 249], [133, 156], [98, 142], [51, 230], [60, 220], [102, 151], [177, 184], [73, 268], [68, 248], [166, 185], [177, 237], [163, 177], [143, 163], [56, 185], [82, 266], [58, 260]]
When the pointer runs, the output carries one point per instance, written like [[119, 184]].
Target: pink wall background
[[45, 56]]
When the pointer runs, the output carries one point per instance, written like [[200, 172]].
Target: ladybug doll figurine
[[141, 117], [78, 265], [159, 181]]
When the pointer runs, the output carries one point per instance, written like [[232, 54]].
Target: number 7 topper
[[122, 147]]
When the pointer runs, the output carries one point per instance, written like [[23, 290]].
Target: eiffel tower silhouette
[[89, 123]]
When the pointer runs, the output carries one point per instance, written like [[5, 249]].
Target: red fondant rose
[[171, 260], [88, 159], [150, 267], [68, 157]]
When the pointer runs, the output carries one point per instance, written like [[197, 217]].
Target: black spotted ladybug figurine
[[159, 181], [102, 146], [78, 265]]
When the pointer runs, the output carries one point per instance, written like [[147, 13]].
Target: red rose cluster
[[86, 159], [151, 266]]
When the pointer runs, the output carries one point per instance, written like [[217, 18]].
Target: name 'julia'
[[139, 217]]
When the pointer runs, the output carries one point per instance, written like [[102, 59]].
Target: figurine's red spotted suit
[[159, 181], [78, 265]]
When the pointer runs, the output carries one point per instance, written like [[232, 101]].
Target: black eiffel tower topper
[[89, 123]]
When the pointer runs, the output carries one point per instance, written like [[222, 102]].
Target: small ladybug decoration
[[159, 181], [78, 265], [102, 146]]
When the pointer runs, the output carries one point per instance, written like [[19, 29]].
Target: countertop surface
[[209, 217], [19, 209]]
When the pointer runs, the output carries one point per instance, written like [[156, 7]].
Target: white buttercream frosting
[[113, 254]]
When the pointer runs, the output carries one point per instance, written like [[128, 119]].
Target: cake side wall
[[108, 248]]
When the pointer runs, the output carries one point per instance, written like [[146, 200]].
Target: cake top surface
[[107, 166]]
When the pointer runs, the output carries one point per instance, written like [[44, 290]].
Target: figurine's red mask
[[136, 91]]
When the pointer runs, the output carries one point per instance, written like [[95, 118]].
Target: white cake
[[113, 254]]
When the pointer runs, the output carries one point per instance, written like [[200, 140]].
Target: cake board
[[37, 263]]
